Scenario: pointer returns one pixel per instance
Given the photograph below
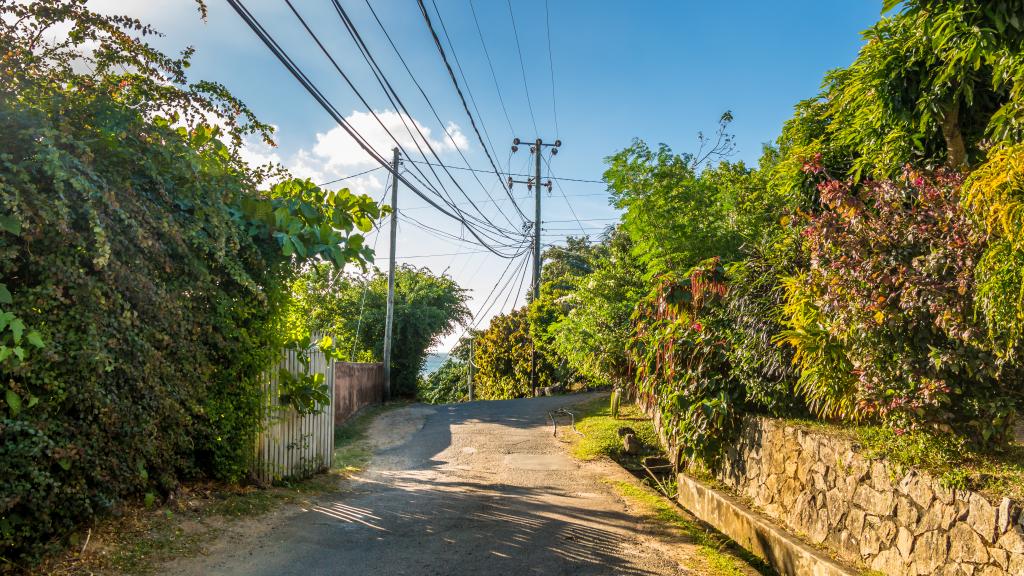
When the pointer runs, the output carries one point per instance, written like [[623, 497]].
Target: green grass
[[600, 431], [718, 556], [949, 458]]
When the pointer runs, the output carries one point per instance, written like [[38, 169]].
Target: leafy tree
[[681, 360], [445, 385], [502, 357], [144, 271], [931, 84], [592, 335], [675, 216], [353, 310]]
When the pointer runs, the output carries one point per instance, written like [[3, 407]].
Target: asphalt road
[[469, 489]]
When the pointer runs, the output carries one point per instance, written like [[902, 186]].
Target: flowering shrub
[[680, 354], [892, 281]]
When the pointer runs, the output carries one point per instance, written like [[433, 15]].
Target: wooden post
[[390, 317], [469, 371]]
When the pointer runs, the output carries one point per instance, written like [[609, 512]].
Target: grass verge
[[351, 444], [601, 431], [139, 537], [717, 555]]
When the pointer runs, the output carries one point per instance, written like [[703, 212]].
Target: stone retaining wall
[[819, 486]]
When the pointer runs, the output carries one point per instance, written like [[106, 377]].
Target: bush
[[353, 310], [681, 355], [754, 306], [892, 282], [143, 274], [591, 335], [502, 358]]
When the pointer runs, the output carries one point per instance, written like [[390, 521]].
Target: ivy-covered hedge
[[142, 279]]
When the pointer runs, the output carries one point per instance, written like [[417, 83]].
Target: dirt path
[[479, 488]]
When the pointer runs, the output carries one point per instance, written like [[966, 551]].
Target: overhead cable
[[322, 100]]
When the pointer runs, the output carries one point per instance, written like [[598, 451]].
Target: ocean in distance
[[433, 362]]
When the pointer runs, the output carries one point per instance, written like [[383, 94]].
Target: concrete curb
[[784, 552]]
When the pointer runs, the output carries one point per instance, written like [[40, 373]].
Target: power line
[[423, 93], [455, 82], [349, 176], [322, 100], [366, 286], [564, 197], [351, 85], [441, 234], [551, 64], [396, 101], [522, 67], [519, 289], [567, 179], [444, 254], [465, 82], [490, 65], [481, 311], [497, 293], [587, 220]]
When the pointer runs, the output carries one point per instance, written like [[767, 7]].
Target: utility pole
[[535, 182], [390, 317], [469, 370]]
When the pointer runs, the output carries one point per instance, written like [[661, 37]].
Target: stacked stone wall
[[819, 486]]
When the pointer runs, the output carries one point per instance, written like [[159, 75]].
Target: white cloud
[[335, 154], [336, 150]]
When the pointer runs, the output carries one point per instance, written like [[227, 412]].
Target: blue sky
[[659, 71]]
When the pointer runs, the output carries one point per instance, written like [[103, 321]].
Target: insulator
[[554, 151], [515, 141], [515, 148], [558, 143]]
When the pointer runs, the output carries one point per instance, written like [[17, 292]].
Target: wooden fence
[[292, 445], [356, 385]]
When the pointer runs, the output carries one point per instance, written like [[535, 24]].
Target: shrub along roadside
[[144, 271], [141, 537]]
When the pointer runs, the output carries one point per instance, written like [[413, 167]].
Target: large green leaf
[[9, 223], [13, 401]]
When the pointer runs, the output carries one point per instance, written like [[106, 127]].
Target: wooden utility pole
[[536, 263], [536, 184], [390, 317], [469, 371]]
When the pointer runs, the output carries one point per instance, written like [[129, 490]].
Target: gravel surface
[[478, 489]]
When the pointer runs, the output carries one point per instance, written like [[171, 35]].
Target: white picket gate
[[292, 445]]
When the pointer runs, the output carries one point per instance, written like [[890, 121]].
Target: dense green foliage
[[892, 275], [870, 268], [857, 288], [353, 309], [590, 335], [573, 335], [144, 271], [502, 356]]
